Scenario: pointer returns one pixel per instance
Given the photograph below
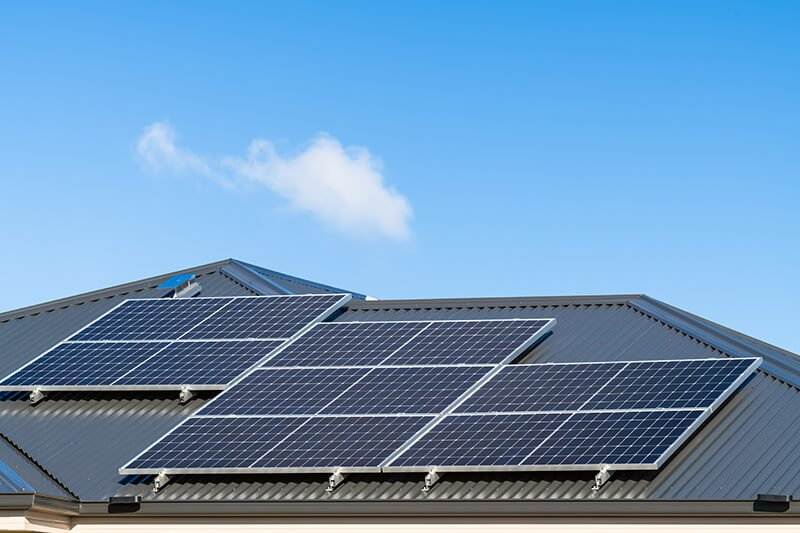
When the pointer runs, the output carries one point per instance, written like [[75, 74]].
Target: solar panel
[[159, 319], [407, 390], [327, 443], [412, 343], [144, 344], [480, 440], [202, 362], [284, 391], [84, 363], [585, 437], [470, 342], [548, 387], [347, 343], [591, 440], [262, 318], [669, 384], [216, 443]]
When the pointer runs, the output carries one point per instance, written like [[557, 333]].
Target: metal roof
[[77, 441]]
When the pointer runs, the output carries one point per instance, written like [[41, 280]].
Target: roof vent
[[183, 286]]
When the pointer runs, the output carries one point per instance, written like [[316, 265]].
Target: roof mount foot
[[335, 480], [36, 396], [186, 394], [601, 477], [161, 479], [430, 479]]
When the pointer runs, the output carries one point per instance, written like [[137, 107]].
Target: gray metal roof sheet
[[749, 446]]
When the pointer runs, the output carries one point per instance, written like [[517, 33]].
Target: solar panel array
[[383, 417], [624, 415], [343, 395], [170, 343]]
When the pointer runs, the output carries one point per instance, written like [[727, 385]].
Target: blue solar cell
[[199, 363], [636, 438], [163, 319], [468, 342], [480, 440], [216, 443], [265, 318], [410, 390], [284, 391], [556, 387], [347, 343], [669, 384], [331, 442], [84, 364]]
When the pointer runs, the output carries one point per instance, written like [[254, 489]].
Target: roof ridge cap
[[114, 290]]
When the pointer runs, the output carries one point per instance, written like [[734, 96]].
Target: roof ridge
[[781, 363], [114, 290], [494, 301], [253, 268]]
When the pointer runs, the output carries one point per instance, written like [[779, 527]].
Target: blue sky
[[514, 149]]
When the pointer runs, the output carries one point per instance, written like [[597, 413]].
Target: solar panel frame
[[704, 414], [344, 298]]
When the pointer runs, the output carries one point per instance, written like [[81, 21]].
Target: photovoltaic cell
[[342, 442], [347, 343], [613, 438], [217, 443], [556, 387], [284, 391], [84, 363], [211, 363], [669, 384], [480, 440], [163, 319], [468, 342], [410, 390], [264, 318]]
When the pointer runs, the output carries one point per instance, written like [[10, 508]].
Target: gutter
[[25, 502], [530, 509]]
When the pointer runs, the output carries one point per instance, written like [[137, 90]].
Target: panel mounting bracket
[[335, 479], [36, 396], [186, 394], [161, 479], [601, 477], [430, 479]]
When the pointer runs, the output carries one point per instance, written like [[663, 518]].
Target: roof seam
[[39, 465]]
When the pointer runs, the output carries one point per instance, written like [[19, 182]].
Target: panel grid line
[[568, 419]]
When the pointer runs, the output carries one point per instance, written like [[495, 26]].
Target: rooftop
[[70, 446]]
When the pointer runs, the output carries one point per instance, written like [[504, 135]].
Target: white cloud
[[341, 186]]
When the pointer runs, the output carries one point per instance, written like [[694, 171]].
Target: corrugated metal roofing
[[749, 446]]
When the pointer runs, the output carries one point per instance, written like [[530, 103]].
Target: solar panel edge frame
[[704, 415], [341, 302], [125, 470]]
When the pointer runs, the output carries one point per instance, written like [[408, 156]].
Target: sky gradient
[[554, 148]]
